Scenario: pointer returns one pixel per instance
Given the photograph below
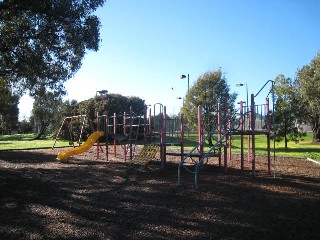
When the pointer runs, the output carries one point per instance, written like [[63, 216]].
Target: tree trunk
[[285, 132], [316, 135], [41, 132], [315, 130], [285, 142]]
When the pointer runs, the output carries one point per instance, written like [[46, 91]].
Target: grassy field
[[24, 141], [303, 149]]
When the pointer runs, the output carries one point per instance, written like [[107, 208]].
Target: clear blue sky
[[147, 44]]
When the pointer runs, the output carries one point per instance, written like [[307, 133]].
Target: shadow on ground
[[44, 199]]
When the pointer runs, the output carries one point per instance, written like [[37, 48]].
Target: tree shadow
[[108, 201]]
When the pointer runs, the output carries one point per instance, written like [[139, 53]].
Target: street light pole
[[184, 76], [102, 92], [242, 84]]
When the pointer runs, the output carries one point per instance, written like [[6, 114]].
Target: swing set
[[71, 122]]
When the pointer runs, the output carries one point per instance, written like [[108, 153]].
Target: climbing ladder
[[133, 134], [147, 154]]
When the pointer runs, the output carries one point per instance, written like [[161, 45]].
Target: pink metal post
[[150, 126], [219, 129], [98, 143], [241, 136], [163, 138], [130, 142], [200, 131], [182, 135], [124, 133], [145, 124], [253, 135], [114, 132], [229, 139], [248, 128], [225, 148], [268, 133], [107, 137]]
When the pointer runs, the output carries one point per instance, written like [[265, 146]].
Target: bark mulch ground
[[86, 198]]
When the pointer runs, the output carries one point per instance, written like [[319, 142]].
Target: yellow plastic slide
[[83, 148]]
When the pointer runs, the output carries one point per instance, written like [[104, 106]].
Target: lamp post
[[184, 76], [102, 92], [242, 84]]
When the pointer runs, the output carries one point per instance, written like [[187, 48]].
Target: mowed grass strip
[[302, 149], [25, 141]]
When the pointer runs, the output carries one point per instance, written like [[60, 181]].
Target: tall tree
[[115, 103], [308, 85], [210, 89], [45, 106], [45, 40], [286, 110], [9, 110]]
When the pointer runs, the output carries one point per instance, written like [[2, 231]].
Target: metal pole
[[124, 133], [253, 136], [241, 136], [114, 132], [268, 132], [225, 138], [107, 136], [188, 83], [182, 136], [150, 126], [273, 123], [274, 132], [219, 132], [247, 94], [98, 143], [200, 133]]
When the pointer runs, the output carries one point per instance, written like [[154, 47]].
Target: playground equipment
[[147, 154], [124, 130], [162, 132], [63, 156], [245, 121], [69, 122]]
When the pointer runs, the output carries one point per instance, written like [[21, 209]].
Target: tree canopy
[[49, 110], [111, 103], [308, 86], [45, 40], [8, 107], [210, 89], [45, 106], [287, 109]]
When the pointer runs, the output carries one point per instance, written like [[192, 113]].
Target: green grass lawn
[[303, 149], [24, 141]]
